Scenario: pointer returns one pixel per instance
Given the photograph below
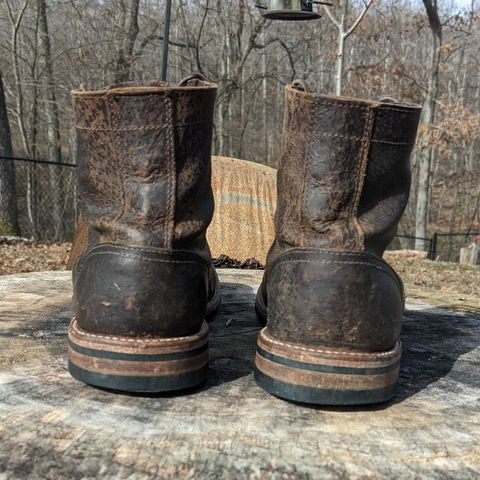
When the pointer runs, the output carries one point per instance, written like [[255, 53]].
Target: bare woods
[[418, 51]]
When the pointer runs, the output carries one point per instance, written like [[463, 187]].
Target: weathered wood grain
[[52, 426]]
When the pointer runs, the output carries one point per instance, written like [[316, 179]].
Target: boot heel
[[130, 364], [325, 376]]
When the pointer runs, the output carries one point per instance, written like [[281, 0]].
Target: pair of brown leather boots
[[143, 293]]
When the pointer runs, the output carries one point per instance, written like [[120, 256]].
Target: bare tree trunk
[[128, 36], [8, 203], [429, 106], [15, 23], [31, 178], [343, 34], [266, 132], [51, 106], [53, 121], [341, 49]]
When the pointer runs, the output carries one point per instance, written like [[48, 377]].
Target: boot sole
[[325, 377], [146, 365]]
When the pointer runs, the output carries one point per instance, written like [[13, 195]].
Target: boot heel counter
[[334, 299], [130, 291]]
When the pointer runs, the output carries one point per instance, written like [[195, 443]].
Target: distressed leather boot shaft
[[332, 305], [145, 284]]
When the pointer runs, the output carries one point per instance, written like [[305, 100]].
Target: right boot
[[332, 305], [145, 285]]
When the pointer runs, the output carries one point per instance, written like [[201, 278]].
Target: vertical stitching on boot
[[363, 140], [365, 150], [171, 177], [286, 213], [114, 120], [307, 172]]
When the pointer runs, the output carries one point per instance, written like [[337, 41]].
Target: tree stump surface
[[55, 427]]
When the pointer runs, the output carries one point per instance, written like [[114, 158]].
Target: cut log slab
[[55, 427]]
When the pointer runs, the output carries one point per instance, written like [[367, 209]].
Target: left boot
[[145, 285], [333, 306]]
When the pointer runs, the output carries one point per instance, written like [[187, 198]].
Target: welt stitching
[[392, 353], [332, 262], [151, 341]]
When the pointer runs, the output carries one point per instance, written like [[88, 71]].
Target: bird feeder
[[291, 10]]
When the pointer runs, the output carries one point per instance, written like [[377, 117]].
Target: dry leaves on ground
[[444, 284], [438, 276], [18, 257]]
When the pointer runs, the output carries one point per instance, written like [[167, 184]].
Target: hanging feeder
[[291, 10]]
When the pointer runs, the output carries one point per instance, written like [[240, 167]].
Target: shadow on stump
[[433, 340], [233, 335]]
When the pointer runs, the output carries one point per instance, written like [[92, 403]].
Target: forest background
[[425, 52]]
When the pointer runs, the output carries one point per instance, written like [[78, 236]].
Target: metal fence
[[402, 242], [446, 246], [440, 246], [46, 199], [47, 206]]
